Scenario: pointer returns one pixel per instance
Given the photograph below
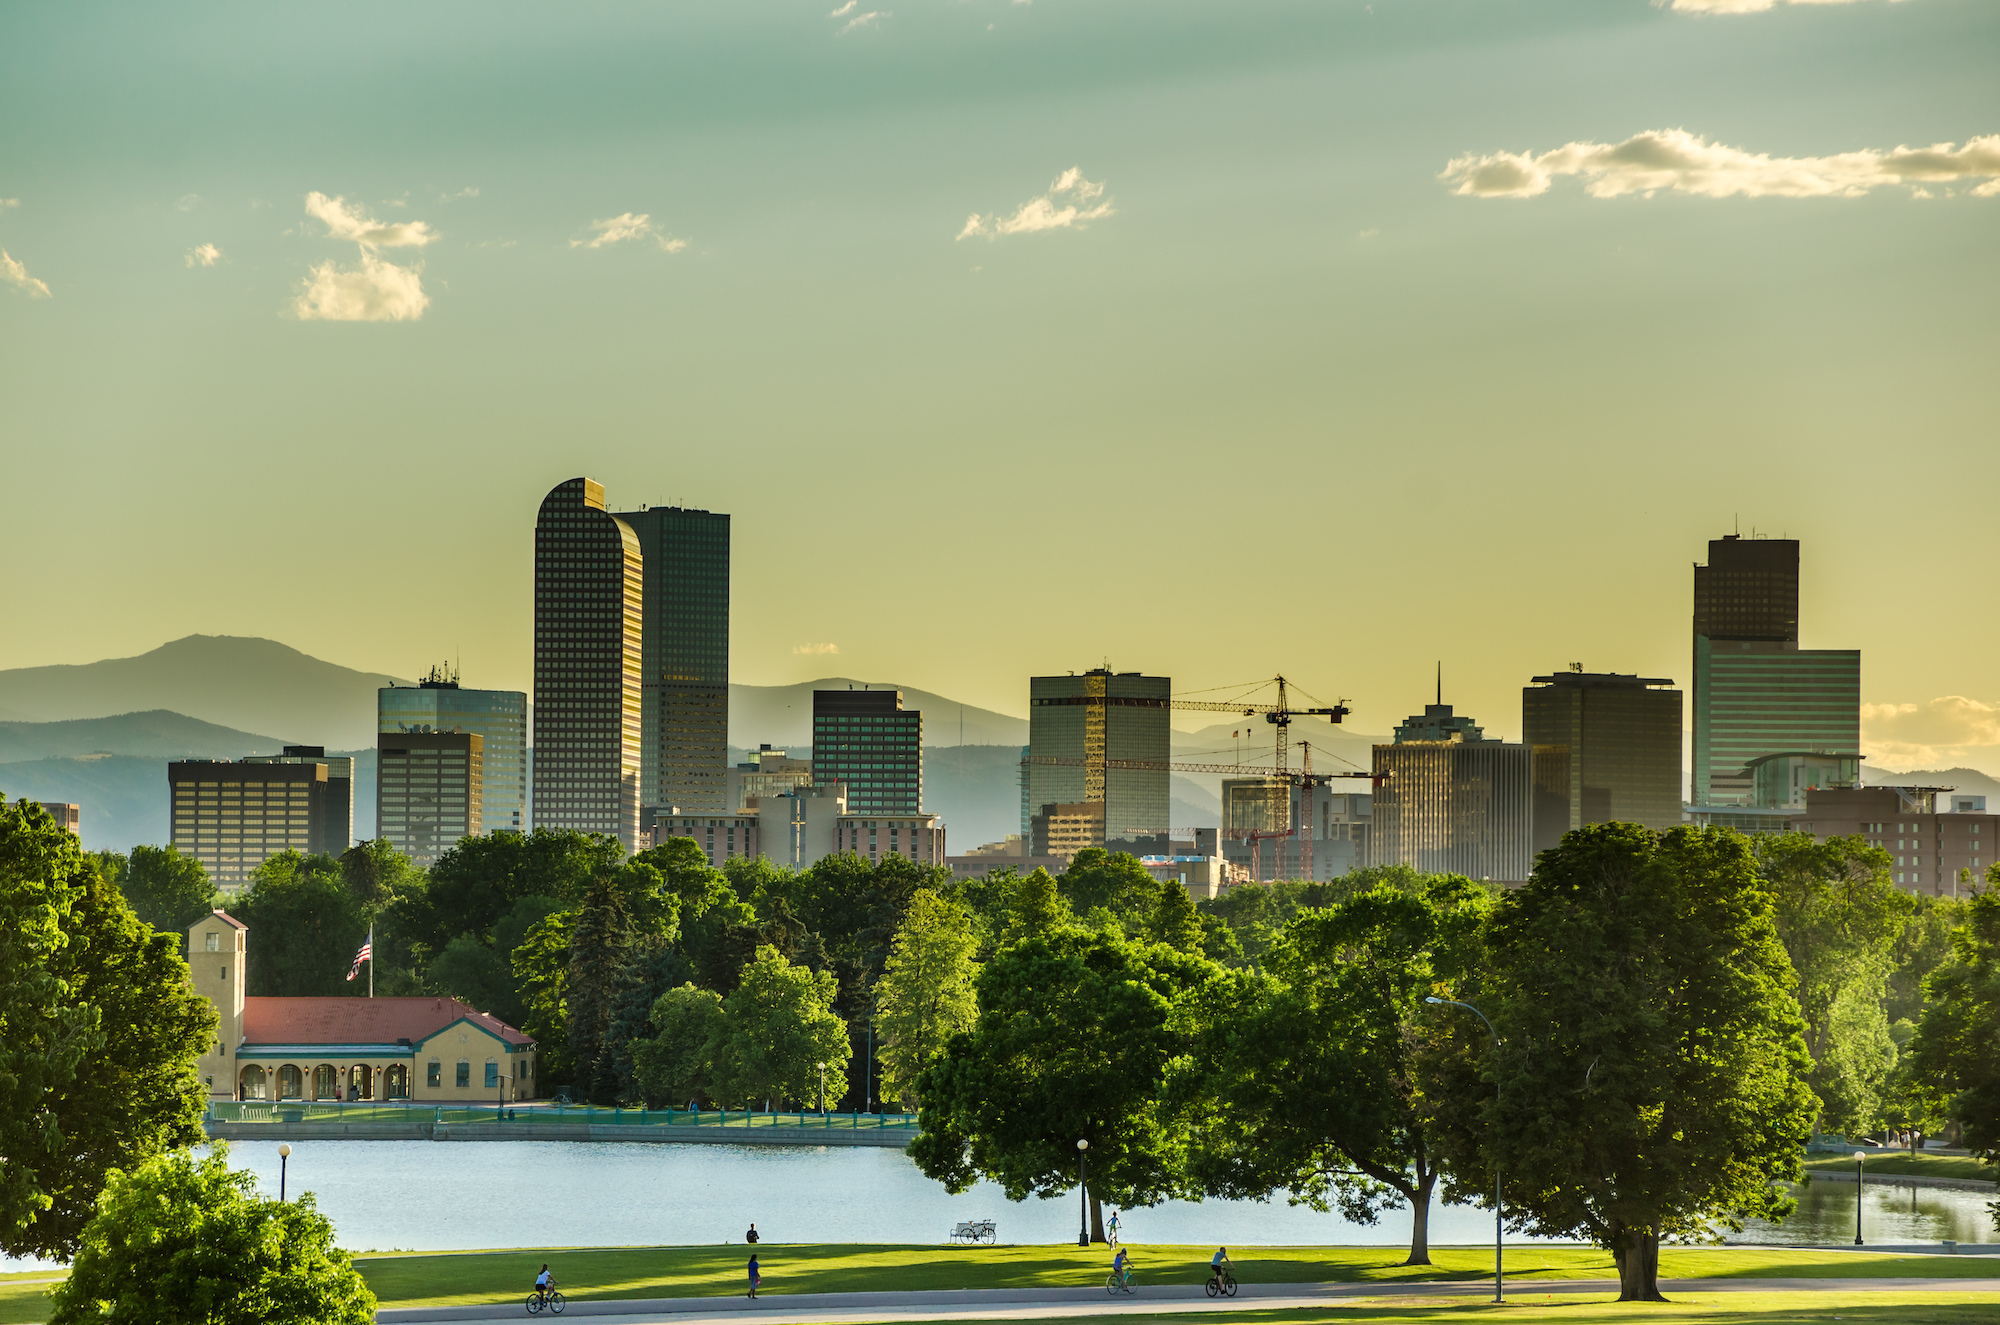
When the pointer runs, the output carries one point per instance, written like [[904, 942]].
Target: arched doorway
[[254, 1085], [396, 1082], [326, 1082], [291, 1082], [361, 1082]]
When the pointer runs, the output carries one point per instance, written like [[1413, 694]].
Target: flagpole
[[371, 959]]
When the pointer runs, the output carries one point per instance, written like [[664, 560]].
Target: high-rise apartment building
[[1607, 749], [1096, 727], [684, 687], [867, 740], [1756, 692], [1461, 805], [428, 791], [589, 616], [498, 717], [232, 817], [339, 820]]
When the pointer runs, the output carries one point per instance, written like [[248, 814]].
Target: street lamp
[[1858, 1157], [284, 1154], [822, 1090], [868, 1092], [1082, 1194], [1499, 1284]]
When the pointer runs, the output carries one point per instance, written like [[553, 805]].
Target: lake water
[[441, 1196]]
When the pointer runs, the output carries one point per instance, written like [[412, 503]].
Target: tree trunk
[[1638, 1255], [1096, 1218], [1420, 1220]]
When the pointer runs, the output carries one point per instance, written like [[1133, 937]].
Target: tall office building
[[498, 717], [232, 817], [588, 619], [869, 741], [1459, 805], [684, 687], [427, 791], [1607, 747], [337, 823], [1756, 692], [1093, 723]]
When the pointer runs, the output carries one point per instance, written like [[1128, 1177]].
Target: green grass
[[1704, 1308], [638, 1272], [1906, 1164], [23, 1302]]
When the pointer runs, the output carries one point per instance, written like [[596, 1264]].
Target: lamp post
[[1858, 1157], [1082, 1194], [868, 1092], [1499, 1284], [822, 1090], [284, 1155]]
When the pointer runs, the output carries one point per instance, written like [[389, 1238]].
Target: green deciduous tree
[[184, 1242], [1035, 909], [1115, 881], [1310, 1078], [1174, 921], [925, 995], [1956, 1051], [1074, 1037], [781, 1026], [1649, 1083], [167, 890], [541, 970], [1839, 916], [99, 1033], [677, 1064], [308, 926]]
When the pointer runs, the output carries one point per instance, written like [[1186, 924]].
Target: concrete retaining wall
[[1902, 1180], [891, 1138]]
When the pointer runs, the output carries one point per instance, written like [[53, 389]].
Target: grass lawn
[[628, 1272], [22, 1302], [1924, 1166], [1689, 1308]]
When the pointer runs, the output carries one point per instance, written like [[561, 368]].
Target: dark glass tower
[[588, 621], [684, 693], [1616, 747], [867, 739], [1102, 724]]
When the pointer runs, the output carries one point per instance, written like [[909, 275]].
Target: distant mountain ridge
[[782, 715], [156, 733]]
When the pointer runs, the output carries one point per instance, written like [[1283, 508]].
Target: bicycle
[[1116, 1283], [551, 1300], [1222, 1283]]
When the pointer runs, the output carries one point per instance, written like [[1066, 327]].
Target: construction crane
[[1279, 715]]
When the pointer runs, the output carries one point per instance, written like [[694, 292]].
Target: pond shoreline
[[655, 1133]]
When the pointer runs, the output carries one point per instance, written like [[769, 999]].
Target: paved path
[[1041, 1303]]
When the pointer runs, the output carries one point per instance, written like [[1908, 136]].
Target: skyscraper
[[684, 689], [1094, 723], [868, 740], [1755, 691], [427, 791], [1456, 803], [1607, 747], [498, 717], [233, 817], [588, 619]]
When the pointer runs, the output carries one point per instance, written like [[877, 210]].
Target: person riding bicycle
[[1121, 1265], [1112, 1228], [1217, 1264], [544, 1282]]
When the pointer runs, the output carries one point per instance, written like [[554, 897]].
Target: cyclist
[[1217, 1264], [1121, 1265], [1112, 1228], [543, 1283]]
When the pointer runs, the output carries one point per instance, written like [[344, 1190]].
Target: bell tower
[[215, 955]]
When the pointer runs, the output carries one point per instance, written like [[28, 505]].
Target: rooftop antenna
[[1440, 682]]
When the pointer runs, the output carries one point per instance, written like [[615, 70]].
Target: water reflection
[[1889, 1214]]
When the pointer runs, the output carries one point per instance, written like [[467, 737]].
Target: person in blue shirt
[[754, 1276], [1122, 1267], [1216, 1262]]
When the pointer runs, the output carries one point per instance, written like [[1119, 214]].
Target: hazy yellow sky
[[1216, 340]]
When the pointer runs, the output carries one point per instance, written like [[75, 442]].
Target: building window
[[434, 1074], [464, 1078], [225, 972], [492, 1074], [214, 941]]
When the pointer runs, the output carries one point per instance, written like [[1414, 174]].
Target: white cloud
[[353, 223], [188, 202], [16, 275], [1946, 731], [1742, 6], [815, 648], [1678, 160], [5, 203], [1071, 202], [375, 291], [872, 17], [618, 229], [203, 255], [469, 191]]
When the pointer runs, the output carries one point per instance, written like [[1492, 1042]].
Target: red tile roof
[[361, 1020]]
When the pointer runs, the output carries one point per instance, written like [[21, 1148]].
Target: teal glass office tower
[[684, 690], [868, 740], [499, 718]]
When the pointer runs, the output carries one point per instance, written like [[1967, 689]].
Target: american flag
[[367, 954]]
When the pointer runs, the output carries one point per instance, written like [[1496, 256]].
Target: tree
[[925, 995], [1115, 881], [1649, 1082], [541, 968], [677, 1064], [598, 945], [1074, 1037], [308, 927], [482, 972], [1036, 909], [1839, 916], [185, 1242], [99, 1035], [1310, 1079], [167, 890], [1174, 921], [479, 880], [781, 1028], [1954, 1051]]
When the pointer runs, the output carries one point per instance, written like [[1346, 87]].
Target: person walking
[[751, 1236], [754, 1276]]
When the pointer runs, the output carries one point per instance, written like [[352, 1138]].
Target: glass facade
[[1609, 750], [498, 717], [1749, 590], [1755, 699], [1107, 723], [684, 692], [588, 622], [868, 740], [1452, 807], [427, 791]]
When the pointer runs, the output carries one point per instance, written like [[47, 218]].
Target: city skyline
[[960, 305]]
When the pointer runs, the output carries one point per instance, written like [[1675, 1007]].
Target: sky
[[1213, 340]]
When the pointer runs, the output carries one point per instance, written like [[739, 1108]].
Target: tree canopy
[[165, 889], [925, 995], [780, 1027], [1957, 1047]]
